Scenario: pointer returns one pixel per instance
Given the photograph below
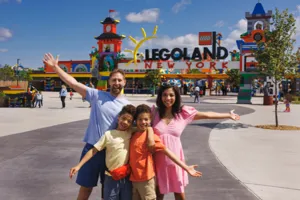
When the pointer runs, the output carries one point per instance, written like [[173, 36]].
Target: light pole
[[17, 71]]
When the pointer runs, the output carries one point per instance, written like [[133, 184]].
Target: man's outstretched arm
[[68, 79]]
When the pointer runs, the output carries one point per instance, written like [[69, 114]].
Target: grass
[[280, 127]]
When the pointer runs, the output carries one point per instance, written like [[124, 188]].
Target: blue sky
[[30, 28]]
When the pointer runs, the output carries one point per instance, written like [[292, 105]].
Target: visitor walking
[[62, 94]]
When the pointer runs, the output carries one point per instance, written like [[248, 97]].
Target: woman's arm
[[189, 169], [214, 115], [68, 79], [150, 139], [85, 158]]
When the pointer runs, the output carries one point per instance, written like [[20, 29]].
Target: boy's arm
[[150, 139], [85, 158], [189, 169]]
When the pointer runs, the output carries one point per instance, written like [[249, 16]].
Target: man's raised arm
[[68, 79]]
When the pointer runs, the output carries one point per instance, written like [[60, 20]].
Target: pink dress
[[170, 177]]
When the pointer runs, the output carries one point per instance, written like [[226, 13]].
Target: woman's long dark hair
[[176, 107]]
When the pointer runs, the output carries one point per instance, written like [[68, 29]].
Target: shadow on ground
[[223, 125], [35, 164]]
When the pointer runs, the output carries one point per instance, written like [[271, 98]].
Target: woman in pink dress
[[170, 119]]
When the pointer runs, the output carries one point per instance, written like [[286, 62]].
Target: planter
[[268, 100]]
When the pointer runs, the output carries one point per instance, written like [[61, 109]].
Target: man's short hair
[[117, 71]]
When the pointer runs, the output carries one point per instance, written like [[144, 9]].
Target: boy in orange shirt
[[141, 160]]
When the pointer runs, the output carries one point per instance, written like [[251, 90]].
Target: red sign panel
[[205, 38]]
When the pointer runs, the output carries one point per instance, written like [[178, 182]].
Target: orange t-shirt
[[140, 159]]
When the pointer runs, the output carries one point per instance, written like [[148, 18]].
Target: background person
[[62, 94]]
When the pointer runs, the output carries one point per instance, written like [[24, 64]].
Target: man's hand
[[73, 171], [234, 116], [48, 58], [191, 170]]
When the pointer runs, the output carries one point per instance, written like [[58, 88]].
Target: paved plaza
[[38, 147]]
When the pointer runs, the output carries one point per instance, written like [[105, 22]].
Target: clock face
[[108, 28]]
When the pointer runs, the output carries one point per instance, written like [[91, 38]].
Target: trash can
[[268, 100]]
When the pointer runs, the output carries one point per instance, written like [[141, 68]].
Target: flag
[[112, 11]]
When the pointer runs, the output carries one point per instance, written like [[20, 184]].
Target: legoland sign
[[183, 54], [205, 38], [182, 58], [214, 65]]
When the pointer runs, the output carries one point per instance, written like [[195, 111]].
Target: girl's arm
[[85, 158], [189, 169], [214, 115]]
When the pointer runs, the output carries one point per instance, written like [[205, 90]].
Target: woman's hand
[[234, 116], [191, 170]]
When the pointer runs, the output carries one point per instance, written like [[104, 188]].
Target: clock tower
[[109, 40]]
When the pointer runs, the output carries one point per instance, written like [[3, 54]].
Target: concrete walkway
[[266, 161], [35, 164]]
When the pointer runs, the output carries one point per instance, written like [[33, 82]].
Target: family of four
[[144, 161]]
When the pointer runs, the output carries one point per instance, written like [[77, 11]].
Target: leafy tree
[[25, 75], [7, 73], [276, 57], [193, 71], [234, 77], [153, 77]]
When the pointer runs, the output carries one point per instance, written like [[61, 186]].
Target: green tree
[[25, 75], [276, 56], [234, 77], [194, 71], [7, 73], [153, 77]]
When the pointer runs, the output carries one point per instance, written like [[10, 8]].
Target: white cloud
[[3, 50], [219, 24], [180, 5], [5, 34], [189, 41], [19, 1], [147, 15], [230, 41]]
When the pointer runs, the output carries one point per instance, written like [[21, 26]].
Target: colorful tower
[[109, 40], [109, 45], [258, 16], [257, 22]]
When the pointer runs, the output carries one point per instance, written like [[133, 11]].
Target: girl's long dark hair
[[176, 107]]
